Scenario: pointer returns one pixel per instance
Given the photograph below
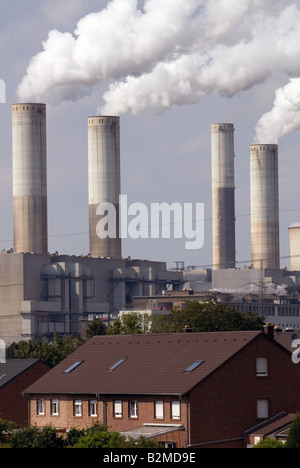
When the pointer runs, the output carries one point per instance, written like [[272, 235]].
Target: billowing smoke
[[284, 118], [173, 52]]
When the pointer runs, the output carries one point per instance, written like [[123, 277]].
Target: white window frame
[[93, 408], [175, 410], [55, 407], [262, 366], [118, 409], [78, 408], [40, 406], [159, 409], [133, 409], [263, 408]]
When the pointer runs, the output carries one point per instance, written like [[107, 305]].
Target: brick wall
[[13, 406], [225, 405], [105, 412]]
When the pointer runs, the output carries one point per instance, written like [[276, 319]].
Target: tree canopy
[[206, 317], [200, 317], [96, 436]]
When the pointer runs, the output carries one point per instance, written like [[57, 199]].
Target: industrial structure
[[223, 196], [262, 287], [42, 293], [29, 148], [264, 193], [104, 183], [294, 236]]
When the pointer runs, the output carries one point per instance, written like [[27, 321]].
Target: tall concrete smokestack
[[294, 235], [264, 206], [104, 180], [29, 148], [223, 196]]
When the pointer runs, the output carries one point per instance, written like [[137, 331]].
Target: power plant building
[[223, 196], [42, 293]]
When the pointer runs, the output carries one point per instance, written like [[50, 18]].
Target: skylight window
[[194, 366], [117, 364], [71, 368]]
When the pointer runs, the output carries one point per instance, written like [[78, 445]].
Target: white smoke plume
[[284, 118], [172, 52]]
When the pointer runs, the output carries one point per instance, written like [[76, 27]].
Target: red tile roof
[[154, 365]]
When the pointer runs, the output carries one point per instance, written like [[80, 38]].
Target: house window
[[262, 409], [175, 410], [117, 409], [257, 440], [133, 409], [93, 408], [77, 408], [55, 407], [159, 410], [262, 367], [169, 445], [40, 406]]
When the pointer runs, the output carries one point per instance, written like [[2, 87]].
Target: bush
[[293, 440], [268, 443], [32, 437]]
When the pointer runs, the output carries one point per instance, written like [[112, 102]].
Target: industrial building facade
[[40, 293], [43, 294]]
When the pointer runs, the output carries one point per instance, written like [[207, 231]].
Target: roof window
[[117, 364], [194, 366], [74, 366]]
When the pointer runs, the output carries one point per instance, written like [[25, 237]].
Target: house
[[15, 376], [276, 428], [186, 390]]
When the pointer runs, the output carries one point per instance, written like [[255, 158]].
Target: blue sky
[[164, 157]]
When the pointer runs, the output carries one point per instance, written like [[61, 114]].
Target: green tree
[[97, 327], [32, 437], [6, 428], [73, 436], [104, 439], [129, 324], [206, 317], [268, 443], [293, 440], [52, 352], [97, 439]]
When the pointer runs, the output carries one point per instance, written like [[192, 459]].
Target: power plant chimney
[[294, 235], [104, 181], [223, 196], [29, 150], [264, 206]]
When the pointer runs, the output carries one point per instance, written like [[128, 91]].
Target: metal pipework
[[223, 196], [264, 196], [104, 180], [29, 151]]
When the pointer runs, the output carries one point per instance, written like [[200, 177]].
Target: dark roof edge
[[101, 394], [36, 361], [265, 423]]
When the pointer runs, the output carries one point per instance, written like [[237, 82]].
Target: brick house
[[276, 428], [186, 390], [15, 376]]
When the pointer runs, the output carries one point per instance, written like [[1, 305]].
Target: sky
[[170, 69]]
